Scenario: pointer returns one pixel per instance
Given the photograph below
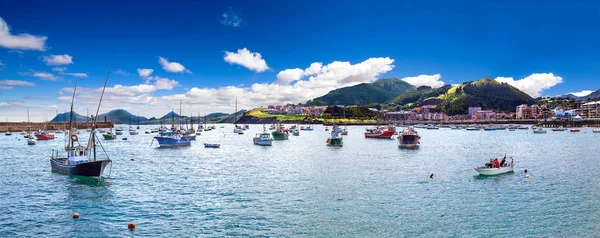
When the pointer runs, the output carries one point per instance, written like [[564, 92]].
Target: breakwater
[[32, 126]]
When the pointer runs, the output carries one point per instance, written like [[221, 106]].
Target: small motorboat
[[540, 131], [431, 127], [336, 138], [42, 135], [124, 138], [490, 169], [207, 145], [559, 129], [596, 131], [148, 131], [30, 141], [308, 128], [575, 130], [380, 132], [8, 133]]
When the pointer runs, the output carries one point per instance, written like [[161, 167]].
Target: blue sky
[[544, 49]]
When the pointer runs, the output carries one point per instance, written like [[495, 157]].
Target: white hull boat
[[540, 131], [596, 131], [494, 171]]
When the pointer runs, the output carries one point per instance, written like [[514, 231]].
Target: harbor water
[[301, 187]]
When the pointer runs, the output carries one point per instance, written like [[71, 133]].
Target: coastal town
[[577, 111]]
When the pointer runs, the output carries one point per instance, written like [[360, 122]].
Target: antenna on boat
[[71, 118]]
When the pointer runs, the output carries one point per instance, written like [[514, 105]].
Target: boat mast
[[28, 115], [235, 113], [93, 133], [71, 142]]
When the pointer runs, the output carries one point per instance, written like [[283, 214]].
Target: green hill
[[65, 117], [121, 116], [379, 91], [486, 93]]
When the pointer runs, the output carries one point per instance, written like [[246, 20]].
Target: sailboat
[[237, 129], [173, 138], [81, 160]]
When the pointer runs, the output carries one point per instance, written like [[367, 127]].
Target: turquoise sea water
[[301, 187]]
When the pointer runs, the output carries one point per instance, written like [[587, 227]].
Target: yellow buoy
[[527, 176]]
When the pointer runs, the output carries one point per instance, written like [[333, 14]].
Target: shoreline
[[34, 126]]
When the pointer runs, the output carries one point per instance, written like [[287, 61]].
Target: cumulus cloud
[[162, 83], [533, 84], [251, 60], [45, 76], [425, 80], [6, 84], [314, 81], [172, 67], [289, 75], [230, 18], [144, 72], [21, 41], [81, 75], [58, 59]]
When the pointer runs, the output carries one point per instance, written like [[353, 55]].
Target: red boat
[[380, 132], [44, 136]]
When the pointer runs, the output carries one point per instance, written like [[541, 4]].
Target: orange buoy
[[75, 215], [132, 159], [431, 176], [131, 226]]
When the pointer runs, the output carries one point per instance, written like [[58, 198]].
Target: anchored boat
[[172, 139], [263, 138], [409, 139], [380, 132], [335, 138], [81, 160], [280, 133]]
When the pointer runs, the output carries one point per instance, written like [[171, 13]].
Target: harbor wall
[[32, 126]]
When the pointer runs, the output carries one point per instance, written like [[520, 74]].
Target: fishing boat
[[473, 129], [133, 131], [540, 131], [596, 130], [490, 169], [207, 145], [264, 138], [237, 129], [30, 141], [559, 129], [81, 160], [335, 139], [326, 128], [409, 139], [43, 135], [109, 135], [8, 133], [575, 130], [172, 139], [455, 128], [380, 132], [308, 128], [296, 132], [280, 133]]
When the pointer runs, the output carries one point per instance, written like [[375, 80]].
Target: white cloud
[[533, 84], [45, 76], [21, 41], [144, 72], [59, 69], [172, 67], [251, 60], [320, 81], [58, 59], [582, 93], [162, 83], [6, 84], [425, 80], [230, 18], [81, 75], [287, 76]]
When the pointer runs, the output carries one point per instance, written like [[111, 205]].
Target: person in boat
[[490, 164], [503, 162], [496, 163]]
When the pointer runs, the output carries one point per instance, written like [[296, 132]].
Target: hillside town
[[579, 110]]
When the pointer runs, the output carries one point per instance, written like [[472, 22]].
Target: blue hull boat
[[171, 142]]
